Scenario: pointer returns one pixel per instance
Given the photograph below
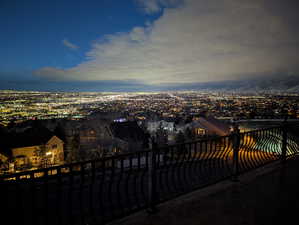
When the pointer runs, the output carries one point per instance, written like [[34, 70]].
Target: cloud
[[199, 41], [154, 6], [70, 45], [51, 73]]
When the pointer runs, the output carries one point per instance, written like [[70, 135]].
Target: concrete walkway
[[269, 195]]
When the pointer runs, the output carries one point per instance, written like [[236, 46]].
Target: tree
[[189, 134], [40, 153], [146, 140], [161, 135], [73, 145], [11, 124], [180, 140], [252, 114]]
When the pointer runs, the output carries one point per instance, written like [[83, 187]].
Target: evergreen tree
[[180, 140], [189, 134], [161, 136]]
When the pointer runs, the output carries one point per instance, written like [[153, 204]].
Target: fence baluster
[[46, 193], [152, 180], [236, 145], [70, 194], [284, 142], [91, 192]]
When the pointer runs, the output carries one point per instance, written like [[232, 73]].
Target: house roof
[[214, 125], [196, 124], [128, 131], [31, 137]]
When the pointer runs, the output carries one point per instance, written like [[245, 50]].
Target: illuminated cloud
[[199, 41], [70, 45]]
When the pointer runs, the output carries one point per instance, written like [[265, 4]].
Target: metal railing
[[98, 191]]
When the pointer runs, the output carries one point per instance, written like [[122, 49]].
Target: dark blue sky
[[138, 44], [32, 30]]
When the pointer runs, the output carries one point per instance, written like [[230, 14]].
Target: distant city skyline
[[151, 45]]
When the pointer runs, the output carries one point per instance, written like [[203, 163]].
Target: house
[[3, 161], [35, 147], [131, 133], [153, 126], [204, 126], [196, 127], [3, 157], [212, 126]]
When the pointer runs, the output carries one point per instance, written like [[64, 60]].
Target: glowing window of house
[[54, 146], [200, 131]]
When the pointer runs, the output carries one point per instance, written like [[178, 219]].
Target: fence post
[[284, 142], [152, 178], [236, 145]]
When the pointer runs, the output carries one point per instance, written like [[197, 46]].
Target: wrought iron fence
[[98, 191]]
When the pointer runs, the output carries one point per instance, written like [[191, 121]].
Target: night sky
[[131, 45]]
